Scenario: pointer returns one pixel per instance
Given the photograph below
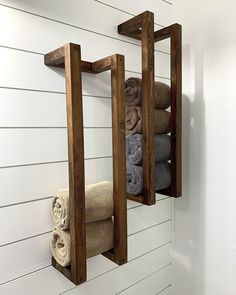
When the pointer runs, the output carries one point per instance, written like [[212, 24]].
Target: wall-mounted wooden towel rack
[[141, 27], [69, 57]]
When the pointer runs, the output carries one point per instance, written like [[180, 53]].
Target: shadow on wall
[[189, 249]]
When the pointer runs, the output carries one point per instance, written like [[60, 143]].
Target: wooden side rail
[[174, 32], [141, 27], [69, 57]]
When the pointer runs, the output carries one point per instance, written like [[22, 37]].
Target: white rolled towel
[[98, 204]]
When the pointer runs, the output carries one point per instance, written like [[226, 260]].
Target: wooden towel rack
[[141, 27], [69, 57]]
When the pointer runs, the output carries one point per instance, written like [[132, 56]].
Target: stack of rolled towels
[[134, 138], [99, 222]]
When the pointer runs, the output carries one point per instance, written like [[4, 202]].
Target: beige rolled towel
[[99, 239], [133, 120], [133, 93], [98, 204]]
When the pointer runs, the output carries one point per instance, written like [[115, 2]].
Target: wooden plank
[[27, 109], [145, 22], [42, 220], [45, 79], [116, 65], [153, 284], [49, 145], [147, 35], [48, 280], [32, 254], [143, 217], [126, 275], [119, 158], [174, 32], [162, 10], [64, 14], [137, 29], [35, 218], [39, 256], [33, 146], [156, 236], [176, 107], [76, 162], [46, 179]]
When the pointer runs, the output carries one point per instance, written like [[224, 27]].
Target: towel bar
[[141, 27], [69, 57]]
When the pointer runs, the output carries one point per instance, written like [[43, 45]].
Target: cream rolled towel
[[133, 93], [60, 246], [99, 239], [98, 204], [133, 121]]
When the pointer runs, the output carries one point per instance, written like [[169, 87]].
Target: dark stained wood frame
[[141, 27], [69, 57]]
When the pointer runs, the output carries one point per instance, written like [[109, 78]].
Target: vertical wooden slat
[[147, 39], [176, 109], [76, 162], [119, 158]]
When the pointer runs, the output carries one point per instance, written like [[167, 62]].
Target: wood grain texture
[[119, 157], [174, 32], [69, 56], [141, 27], [73, 69]]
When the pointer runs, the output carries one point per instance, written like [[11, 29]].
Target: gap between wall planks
[[141, 27], [69, 57]]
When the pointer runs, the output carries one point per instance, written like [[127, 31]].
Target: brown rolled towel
[[133, 93], [99, 239], [98, 204], [133, 120]]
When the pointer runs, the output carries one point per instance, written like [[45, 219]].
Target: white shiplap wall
[[33, 150]]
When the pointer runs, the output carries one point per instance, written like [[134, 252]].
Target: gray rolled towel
[[134, 177], [133, 93], [134, 148]]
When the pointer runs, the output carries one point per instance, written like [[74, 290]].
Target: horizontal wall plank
[[25, 220], [24, 257], [161, 9], [34, 218], [22, 108], [143, 217], [70, 19], [26, 146], [167, 291], [153, 284], [156, 236], [126, 275], [54, 36], [40, 256], [47, 281], [46, 179]]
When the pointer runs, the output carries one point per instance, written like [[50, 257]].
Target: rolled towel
[[134, 177], [133, 120], [99, 239], [60, 246], [134, 148], [133, 93], [98, 204]]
